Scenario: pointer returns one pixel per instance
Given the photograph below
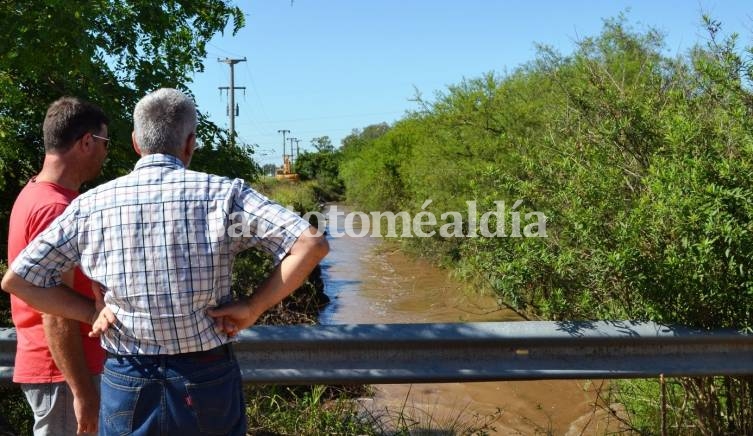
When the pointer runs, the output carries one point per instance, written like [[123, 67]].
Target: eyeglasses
[[107, 140]]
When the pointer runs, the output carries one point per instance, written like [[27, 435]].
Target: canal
[[371, 281]]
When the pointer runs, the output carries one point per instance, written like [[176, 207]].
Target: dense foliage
[[323, 167], [111, 53], [642, 164]]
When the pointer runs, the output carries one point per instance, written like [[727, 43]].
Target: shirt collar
[[159, 160]]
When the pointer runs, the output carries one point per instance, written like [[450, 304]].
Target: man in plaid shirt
[[161, 241]]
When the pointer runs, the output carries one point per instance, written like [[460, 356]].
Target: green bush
[[300, 197], [641, 163], [5, 316]]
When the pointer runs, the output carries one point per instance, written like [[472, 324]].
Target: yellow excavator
[[285, 172]]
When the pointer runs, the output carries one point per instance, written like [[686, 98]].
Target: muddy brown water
[[373, 282]]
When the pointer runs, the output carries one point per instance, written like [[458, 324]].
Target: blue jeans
[[188, 394]]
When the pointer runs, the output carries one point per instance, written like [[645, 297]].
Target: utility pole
[[297, 149], [283, 143], [232, 109], [291, 145]]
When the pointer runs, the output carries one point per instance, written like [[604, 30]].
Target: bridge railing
[[527, 350]]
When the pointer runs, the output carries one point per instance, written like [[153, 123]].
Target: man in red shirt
[[52, 350]]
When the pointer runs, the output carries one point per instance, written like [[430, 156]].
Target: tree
[[268, 169], [360, 137], [231, 160], [322, 143], [109, 52]]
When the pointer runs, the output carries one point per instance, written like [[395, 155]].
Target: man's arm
[[307, 251], [58, 300], [54, 249], [64, 340]]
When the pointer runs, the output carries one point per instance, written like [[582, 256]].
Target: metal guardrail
[[527, 350]]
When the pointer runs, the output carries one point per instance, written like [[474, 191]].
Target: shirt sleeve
[[257, 221], [54, 250]]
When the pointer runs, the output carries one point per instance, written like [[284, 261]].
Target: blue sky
[[326, 67]]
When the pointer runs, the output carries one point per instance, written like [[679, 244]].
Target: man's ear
[[84, 143], [136, 147], [188, 148]]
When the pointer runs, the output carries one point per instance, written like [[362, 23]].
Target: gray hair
[[162, 121]]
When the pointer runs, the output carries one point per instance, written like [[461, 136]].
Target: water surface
[[372, 282]]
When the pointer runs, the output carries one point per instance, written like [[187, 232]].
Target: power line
[[259, 101], [330, 117]]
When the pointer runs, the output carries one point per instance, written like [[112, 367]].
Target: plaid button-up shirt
[[161, 240]]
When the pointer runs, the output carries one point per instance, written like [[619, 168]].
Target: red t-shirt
[[38, 204]]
